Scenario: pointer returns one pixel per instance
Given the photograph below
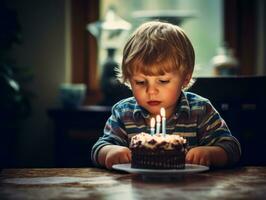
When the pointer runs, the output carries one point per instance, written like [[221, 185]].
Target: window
[[202, 21], [233, 21]]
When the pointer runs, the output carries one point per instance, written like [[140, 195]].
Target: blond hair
[[155, 48]]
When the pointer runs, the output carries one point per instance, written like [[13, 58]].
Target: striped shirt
[[195, 119]]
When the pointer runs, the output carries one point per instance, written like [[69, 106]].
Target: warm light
[[162, 111], [158, 123], [158, 118], [152, 122]]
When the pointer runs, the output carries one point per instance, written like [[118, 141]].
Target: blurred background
[[45, 44]]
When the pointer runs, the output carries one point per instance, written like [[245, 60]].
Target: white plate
[[190, 168]]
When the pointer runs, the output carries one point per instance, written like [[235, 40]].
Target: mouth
[[154, 103]]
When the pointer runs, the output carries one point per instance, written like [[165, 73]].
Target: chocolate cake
[[158, 151]]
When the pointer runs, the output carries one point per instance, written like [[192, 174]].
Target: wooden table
[[92, 183]]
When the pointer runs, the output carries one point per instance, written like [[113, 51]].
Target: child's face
[[154, 92]]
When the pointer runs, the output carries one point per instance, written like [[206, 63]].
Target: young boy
[[158, 62]]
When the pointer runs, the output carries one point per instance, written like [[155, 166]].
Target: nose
[[152, 89]]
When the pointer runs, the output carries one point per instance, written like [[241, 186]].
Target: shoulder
[[196, 100], [127, 105], [199, 104]]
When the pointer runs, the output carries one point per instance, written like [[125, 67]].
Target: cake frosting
[[157, 141]]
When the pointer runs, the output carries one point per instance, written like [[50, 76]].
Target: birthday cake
[[158, 151]]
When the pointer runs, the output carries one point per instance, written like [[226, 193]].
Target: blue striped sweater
[[195, 119]]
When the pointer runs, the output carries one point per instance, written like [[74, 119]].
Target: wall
[[45, 49]]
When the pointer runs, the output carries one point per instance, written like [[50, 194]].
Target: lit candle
[[163, 121], [158, 123], [152, 126]]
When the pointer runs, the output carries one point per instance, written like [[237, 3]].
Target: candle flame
[[158, 118], [162, 111], [152, 122]]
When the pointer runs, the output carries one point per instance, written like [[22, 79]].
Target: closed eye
[[164, 81], [139, 82]]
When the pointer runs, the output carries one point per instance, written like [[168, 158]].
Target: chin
[[154, 110]]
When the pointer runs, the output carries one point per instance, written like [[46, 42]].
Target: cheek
[[173, 93], [138, 94]]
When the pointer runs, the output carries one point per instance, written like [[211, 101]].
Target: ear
[[187, 79]]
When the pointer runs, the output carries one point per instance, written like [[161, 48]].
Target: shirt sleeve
[[113, 134], [213, 131]]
